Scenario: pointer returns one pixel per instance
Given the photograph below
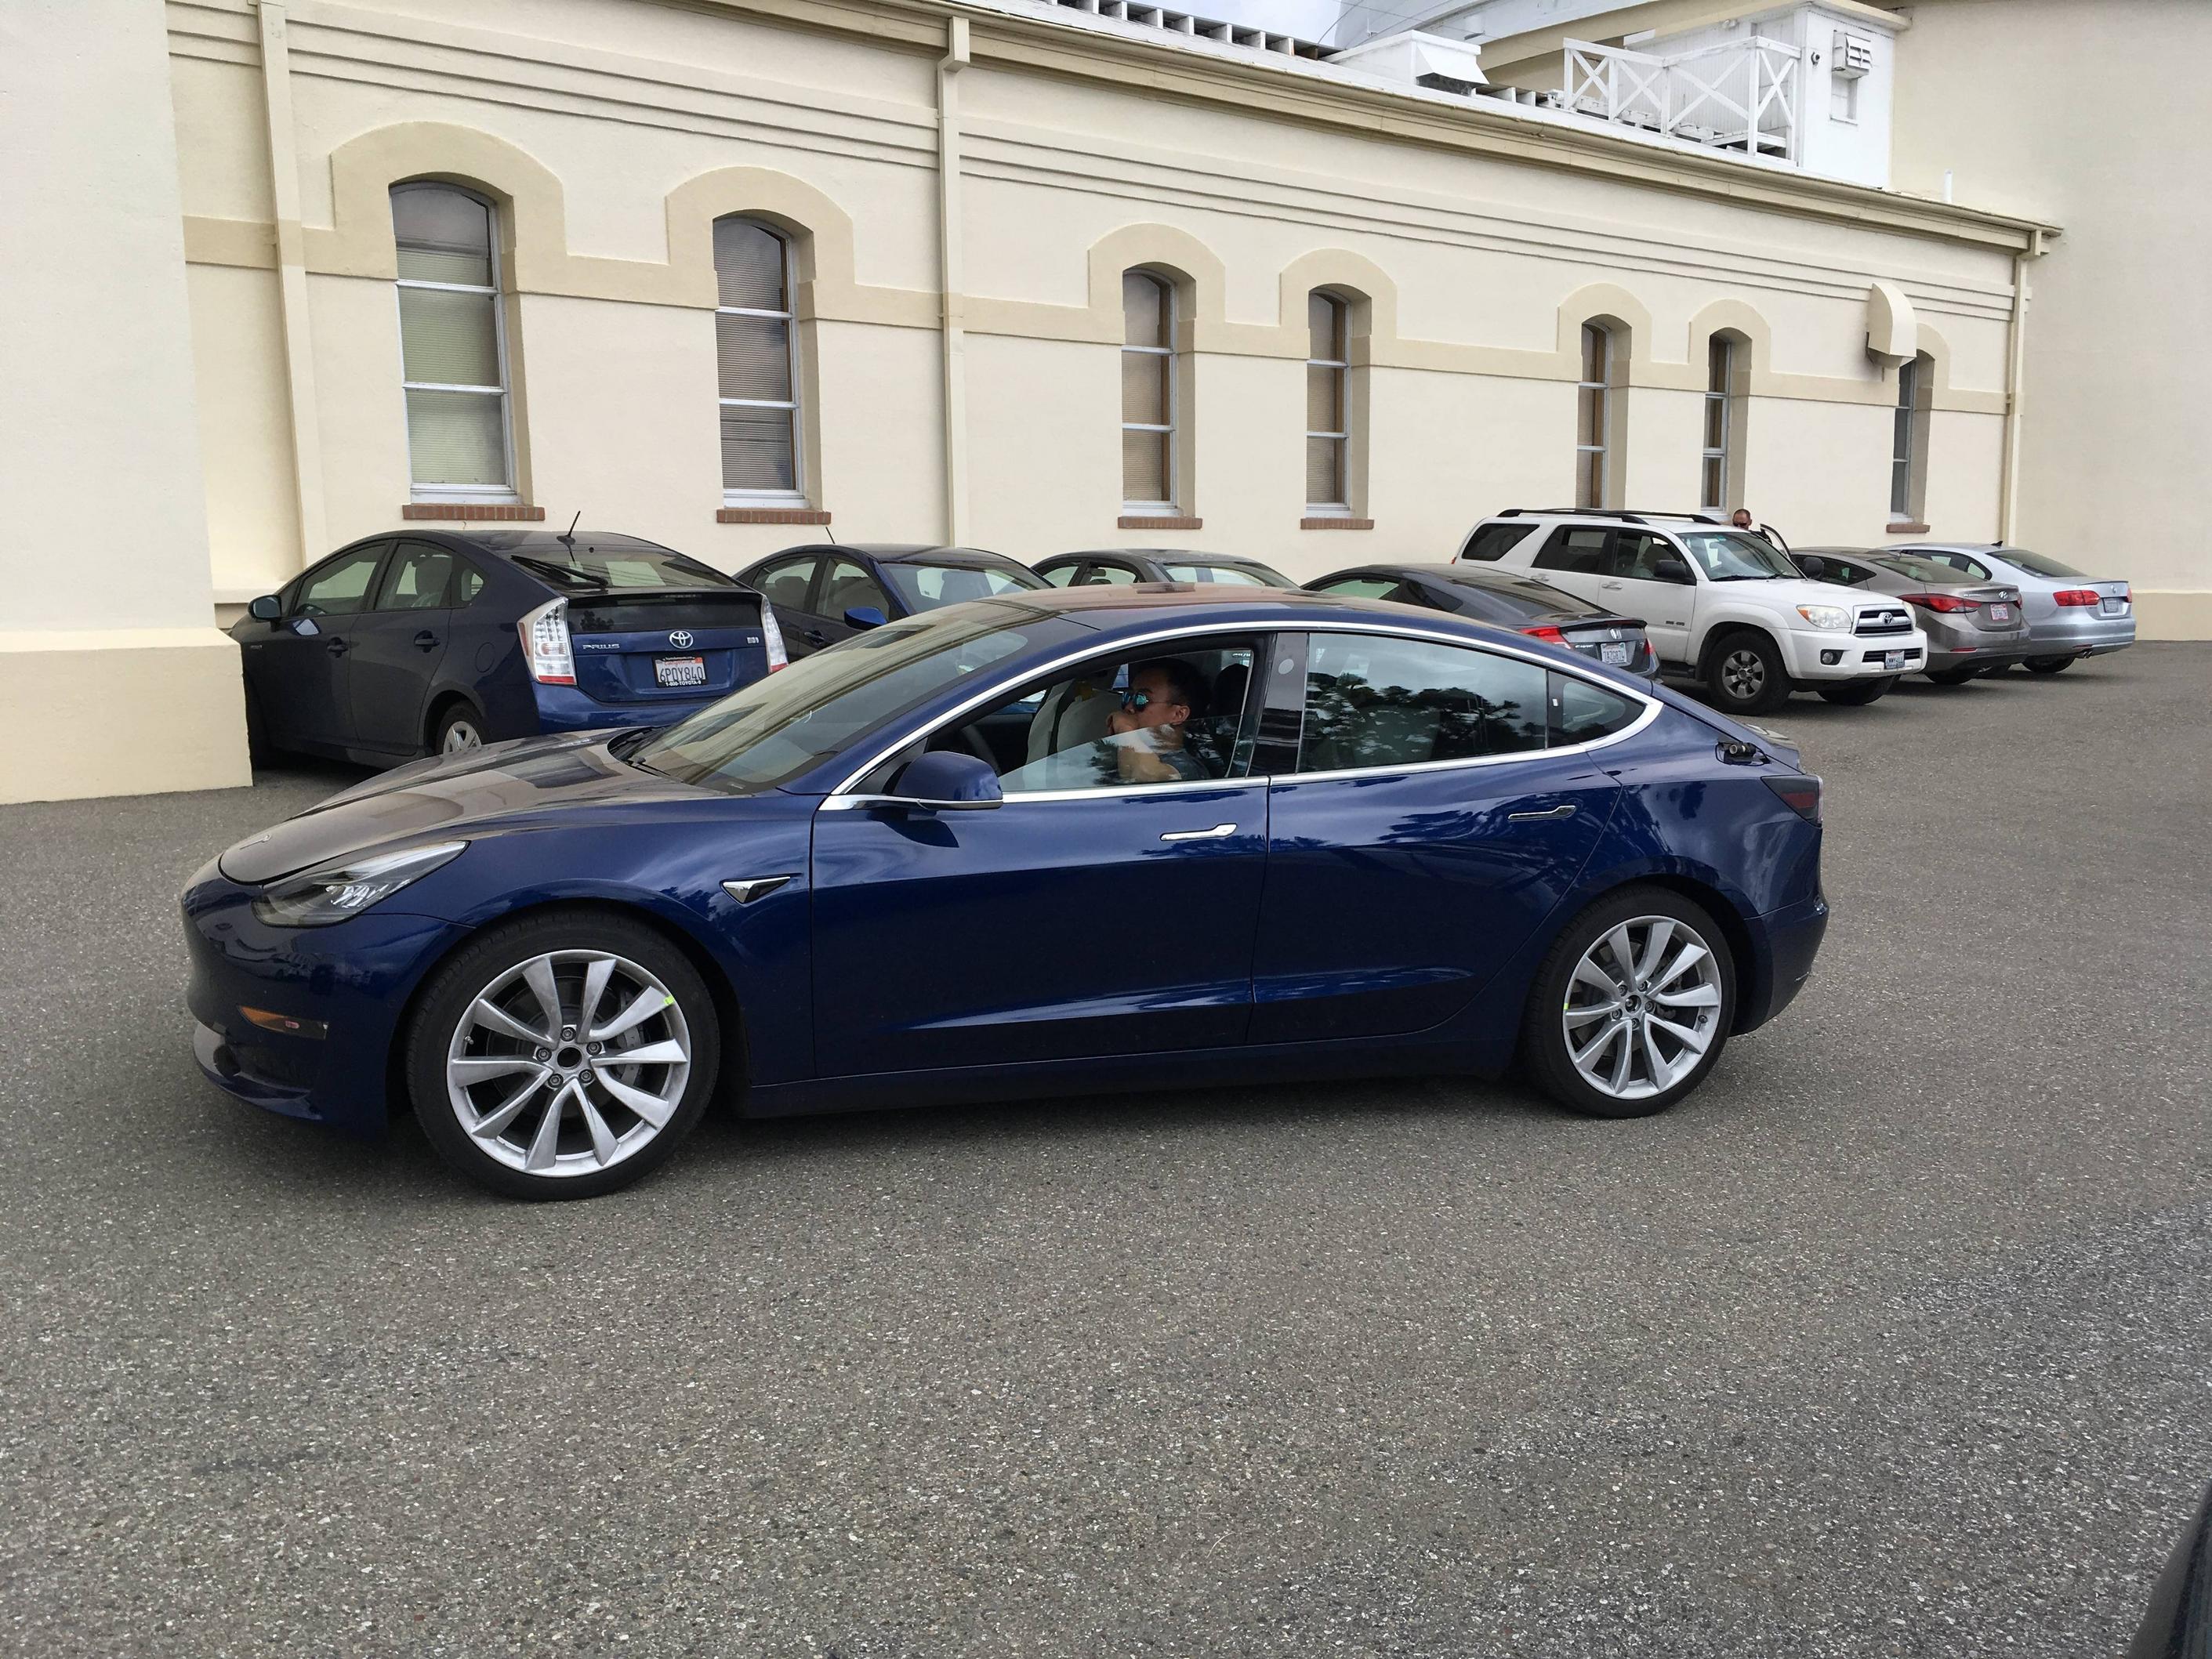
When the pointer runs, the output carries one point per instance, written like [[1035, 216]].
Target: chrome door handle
[[1565, 811], [1609, 585], [1214, 834]]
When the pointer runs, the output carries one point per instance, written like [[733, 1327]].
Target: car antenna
[[568, 537]]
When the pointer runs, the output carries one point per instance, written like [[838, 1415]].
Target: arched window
[[452, 347], [1726, 376], [1598, 412], [1148, 394], [1328, 406], [757, 357], [1908, 449]]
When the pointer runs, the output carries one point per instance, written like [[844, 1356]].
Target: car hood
[[503, 786]]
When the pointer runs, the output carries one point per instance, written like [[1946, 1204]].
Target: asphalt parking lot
[[1894, 1339]]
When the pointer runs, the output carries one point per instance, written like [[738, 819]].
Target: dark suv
[[443, 639]]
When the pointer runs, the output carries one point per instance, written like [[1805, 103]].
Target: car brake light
[[2077, 596], [1948, 602], [1800, 794], [545, 651], [777, 656], [1548, 635]]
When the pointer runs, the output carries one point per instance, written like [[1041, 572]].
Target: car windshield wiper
[[625, 746], [563, 572]]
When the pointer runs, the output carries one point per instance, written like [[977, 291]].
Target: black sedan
[[821, 595], [444, 641], [1115, 566], [1521, 603]]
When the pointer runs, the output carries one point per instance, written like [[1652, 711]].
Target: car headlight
[[347, 886], [1828, 618]]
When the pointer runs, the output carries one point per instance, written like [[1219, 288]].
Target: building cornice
[[1308, 96]]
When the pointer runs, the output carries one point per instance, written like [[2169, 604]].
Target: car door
[[1576, 557], [844, 585], [398, 643], [1637, 587], [1087, 914], [788, 584], [1424, 834], [300, 672]]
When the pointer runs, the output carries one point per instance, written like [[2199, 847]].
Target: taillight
[[1948, 602], [544, 633], [1549, 635], [1800, 794], [777, 656], [2077, 596]]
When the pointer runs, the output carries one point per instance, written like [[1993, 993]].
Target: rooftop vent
[[1412, 57]]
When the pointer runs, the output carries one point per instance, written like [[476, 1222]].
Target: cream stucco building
[[223, 361]]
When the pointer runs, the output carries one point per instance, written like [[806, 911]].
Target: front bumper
[[1815, 655], [326, 1003]]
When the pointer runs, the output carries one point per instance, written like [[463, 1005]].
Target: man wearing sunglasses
[[1146, 733]]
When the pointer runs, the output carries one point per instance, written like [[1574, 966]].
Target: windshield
[[1730, 556], [777, 728], [1921, 569], [586, 566], [926, 586], [1233, 575], [2034, 563]]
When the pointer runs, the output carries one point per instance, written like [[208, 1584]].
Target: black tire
[[1745, 673], [455, 985], [1544, 1052], [1859, 693], [2049, 665], [458, 728]]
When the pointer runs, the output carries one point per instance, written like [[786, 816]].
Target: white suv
[[1721, 605]]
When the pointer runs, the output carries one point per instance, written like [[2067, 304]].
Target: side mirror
[[864, 616], [1814, 566], [945, 779], [268, 608], [1670, 570]]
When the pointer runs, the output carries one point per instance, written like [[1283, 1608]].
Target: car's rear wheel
[[1746, 674], [460, 728], [2049, 665], [561, 1056], [1859, 693], [1632, 1006], [1954, 676]]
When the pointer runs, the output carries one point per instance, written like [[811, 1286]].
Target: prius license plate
[[1892, 661], [1613, 656], [680, 670], [2000, 613]]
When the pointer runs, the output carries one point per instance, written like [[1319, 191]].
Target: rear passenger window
[[1375, 701], [1582, 711], [416, 579], [1577, 549], [785, 584], [1491, 541], [467, 584]]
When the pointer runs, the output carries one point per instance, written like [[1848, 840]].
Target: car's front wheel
[[1632, 1006], [1859, 693], [2049, 665], [562, 1056], [1748, 675]]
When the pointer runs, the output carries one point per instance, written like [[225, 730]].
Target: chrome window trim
[[1091, 651]]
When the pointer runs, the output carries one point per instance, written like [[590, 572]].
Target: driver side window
[[340, 588], [1179, 714]]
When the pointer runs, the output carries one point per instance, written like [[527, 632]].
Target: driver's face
[[1150, 702]]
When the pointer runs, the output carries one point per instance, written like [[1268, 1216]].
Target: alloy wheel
[[1643, 1006], [568, 1063], [460, 735], [1743, 674]]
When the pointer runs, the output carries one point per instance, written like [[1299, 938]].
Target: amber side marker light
[[286, 1023]]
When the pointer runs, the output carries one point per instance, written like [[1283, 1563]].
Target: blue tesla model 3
[[1049, 843]]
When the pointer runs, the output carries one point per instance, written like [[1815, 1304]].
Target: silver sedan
[[2069, 616], [1973, 626]]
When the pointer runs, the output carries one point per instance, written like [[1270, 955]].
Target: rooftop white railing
[[1741, 96]]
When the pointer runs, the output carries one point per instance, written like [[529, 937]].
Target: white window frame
[[796, 496], [1603, 447], [1166, 508], [1707, 453], [449, 492], [1340, 369], [1904, 439]]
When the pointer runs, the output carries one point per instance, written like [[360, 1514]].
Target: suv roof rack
[[1626, 515]]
